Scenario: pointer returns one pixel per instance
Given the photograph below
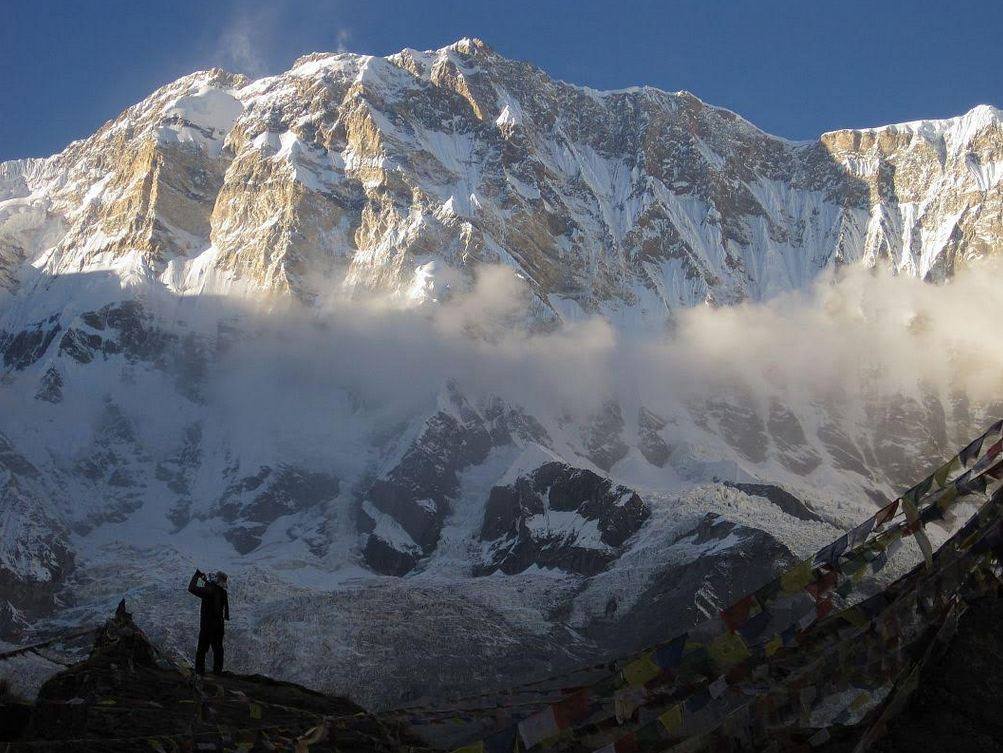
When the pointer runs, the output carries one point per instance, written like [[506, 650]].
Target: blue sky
[[795, 68]]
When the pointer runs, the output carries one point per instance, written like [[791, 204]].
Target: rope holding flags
[[33, 649]]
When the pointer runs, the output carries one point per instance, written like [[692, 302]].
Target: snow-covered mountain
[[390, 172], [247, 324]]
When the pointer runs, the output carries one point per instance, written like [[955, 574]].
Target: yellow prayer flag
[[641, 670], [728, 649], [672, 719], [255, 711], [797, 578], [774, 644]]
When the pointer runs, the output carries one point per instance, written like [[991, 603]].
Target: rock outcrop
[[559, 517], [126, 697]]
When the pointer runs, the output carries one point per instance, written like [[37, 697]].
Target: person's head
[[221, 579]]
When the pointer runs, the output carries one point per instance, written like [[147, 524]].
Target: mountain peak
[[470, 46], [661, 195], [962, 126], [315, 57]]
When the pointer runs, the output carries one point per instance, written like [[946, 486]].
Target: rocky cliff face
[[396, 173], [559, 516], [128, 263]]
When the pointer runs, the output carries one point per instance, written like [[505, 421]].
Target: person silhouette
[[214, 611]]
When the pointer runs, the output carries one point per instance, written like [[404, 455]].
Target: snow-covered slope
[[260, 326], [392, 173]]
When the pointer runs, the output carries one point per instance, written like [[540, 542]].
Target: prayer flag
[[796, 578], [886, 513], [573, 708], [773, 645], [859, 534], [967, 456], [538, 727], [736, 615], [627, 701], [670, 655], [914, 522], [672, 719], [641, 670], [940, 477], [718, 687], [728, 650], [754, 626], [830, 555]]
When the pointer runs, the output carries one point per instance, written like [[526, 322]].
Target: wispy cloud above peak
[[244, 42], [253, 38]]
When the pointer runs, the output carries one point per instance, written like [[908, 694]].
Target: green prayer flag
[[797, 578], [940, 477], [727, 650]]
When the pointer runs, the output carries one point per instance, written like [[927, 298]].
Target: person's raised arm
[[193, 586]]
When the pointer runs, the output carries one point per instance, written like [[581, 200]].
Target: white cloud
[[257, 35], [342, 39], [847, 343], [243, 43]]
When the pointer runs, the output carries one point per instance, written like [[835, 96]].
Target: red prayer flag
[[627, 744], [886, 513], [736, 615], [572, 709]]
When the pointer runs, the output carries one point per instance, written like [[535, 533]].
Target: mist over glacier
[[853, 335], [318, 383]]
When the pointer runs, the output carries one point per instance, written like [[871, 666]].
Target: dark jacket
[[215, 605]]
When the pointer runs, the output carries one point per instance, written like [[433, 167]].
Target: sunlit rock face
[[392, 173]]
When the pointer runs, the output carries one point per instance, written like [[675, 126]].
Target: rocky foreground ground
[[126, 697], [955, 708]]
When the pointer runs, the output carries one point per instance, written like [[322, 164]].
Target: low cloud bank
[[864, 333], [326, 386]]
